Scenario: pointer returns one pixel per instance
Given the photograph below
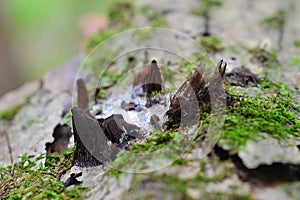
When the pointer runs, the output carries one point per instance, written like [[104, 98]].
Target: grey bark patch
[[268, 151], [18, 96], [63, 78], [154, 189], [231, 185], [289, 191], [33, 125]]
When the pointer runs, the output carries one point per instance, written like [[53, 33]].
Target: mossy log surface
[[258, 153]]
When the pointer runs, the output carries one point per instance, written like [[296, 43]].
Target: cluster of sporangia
[[99, 140]]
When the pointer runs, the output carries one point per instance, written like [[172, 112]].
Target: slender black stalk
[[206, 25]]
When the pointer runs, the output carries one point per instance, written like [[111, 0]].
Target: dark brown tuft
[[199, 84]]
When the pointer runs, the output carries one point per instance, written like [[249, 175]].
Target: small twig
[[48, 173], [6, 184], [206, 25], [280, 37], [8, 143]]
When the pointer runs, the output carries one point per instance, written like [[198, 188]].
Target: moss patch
[[276, 20], [67, 119], [158, 141], [295, 62], [138, 156], [120, 13], [28, 180], [272, 112], [10, 113], [291, 190], [297, 43], [155, 18], [211, 44], [206, 6], [154, 186], [267, 58], [148, 185], [143, 34], [174, 185], [98, 38]]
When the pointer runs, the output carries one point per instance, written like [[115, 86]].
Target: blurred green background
[[36, 36]]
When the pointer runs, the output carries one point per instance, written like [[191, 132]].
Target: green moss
[[10, 113], [67, 119], [111, 76], [158, 141], [180, 161], [297, 43], [143, 34], [174, 185], [267, 58], [295, 62], [102, 94], [155, 18], [206, 6], [206, 179], [29, 122], [138, 156], [211, 44], [60, 163], [276, 20], [103, 64], [29, 180], [120, 13], [271, 112], [182, 67], [165, 186], [171, 184], [291, 190], [234, 49], [203, 57], [98, 38]]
